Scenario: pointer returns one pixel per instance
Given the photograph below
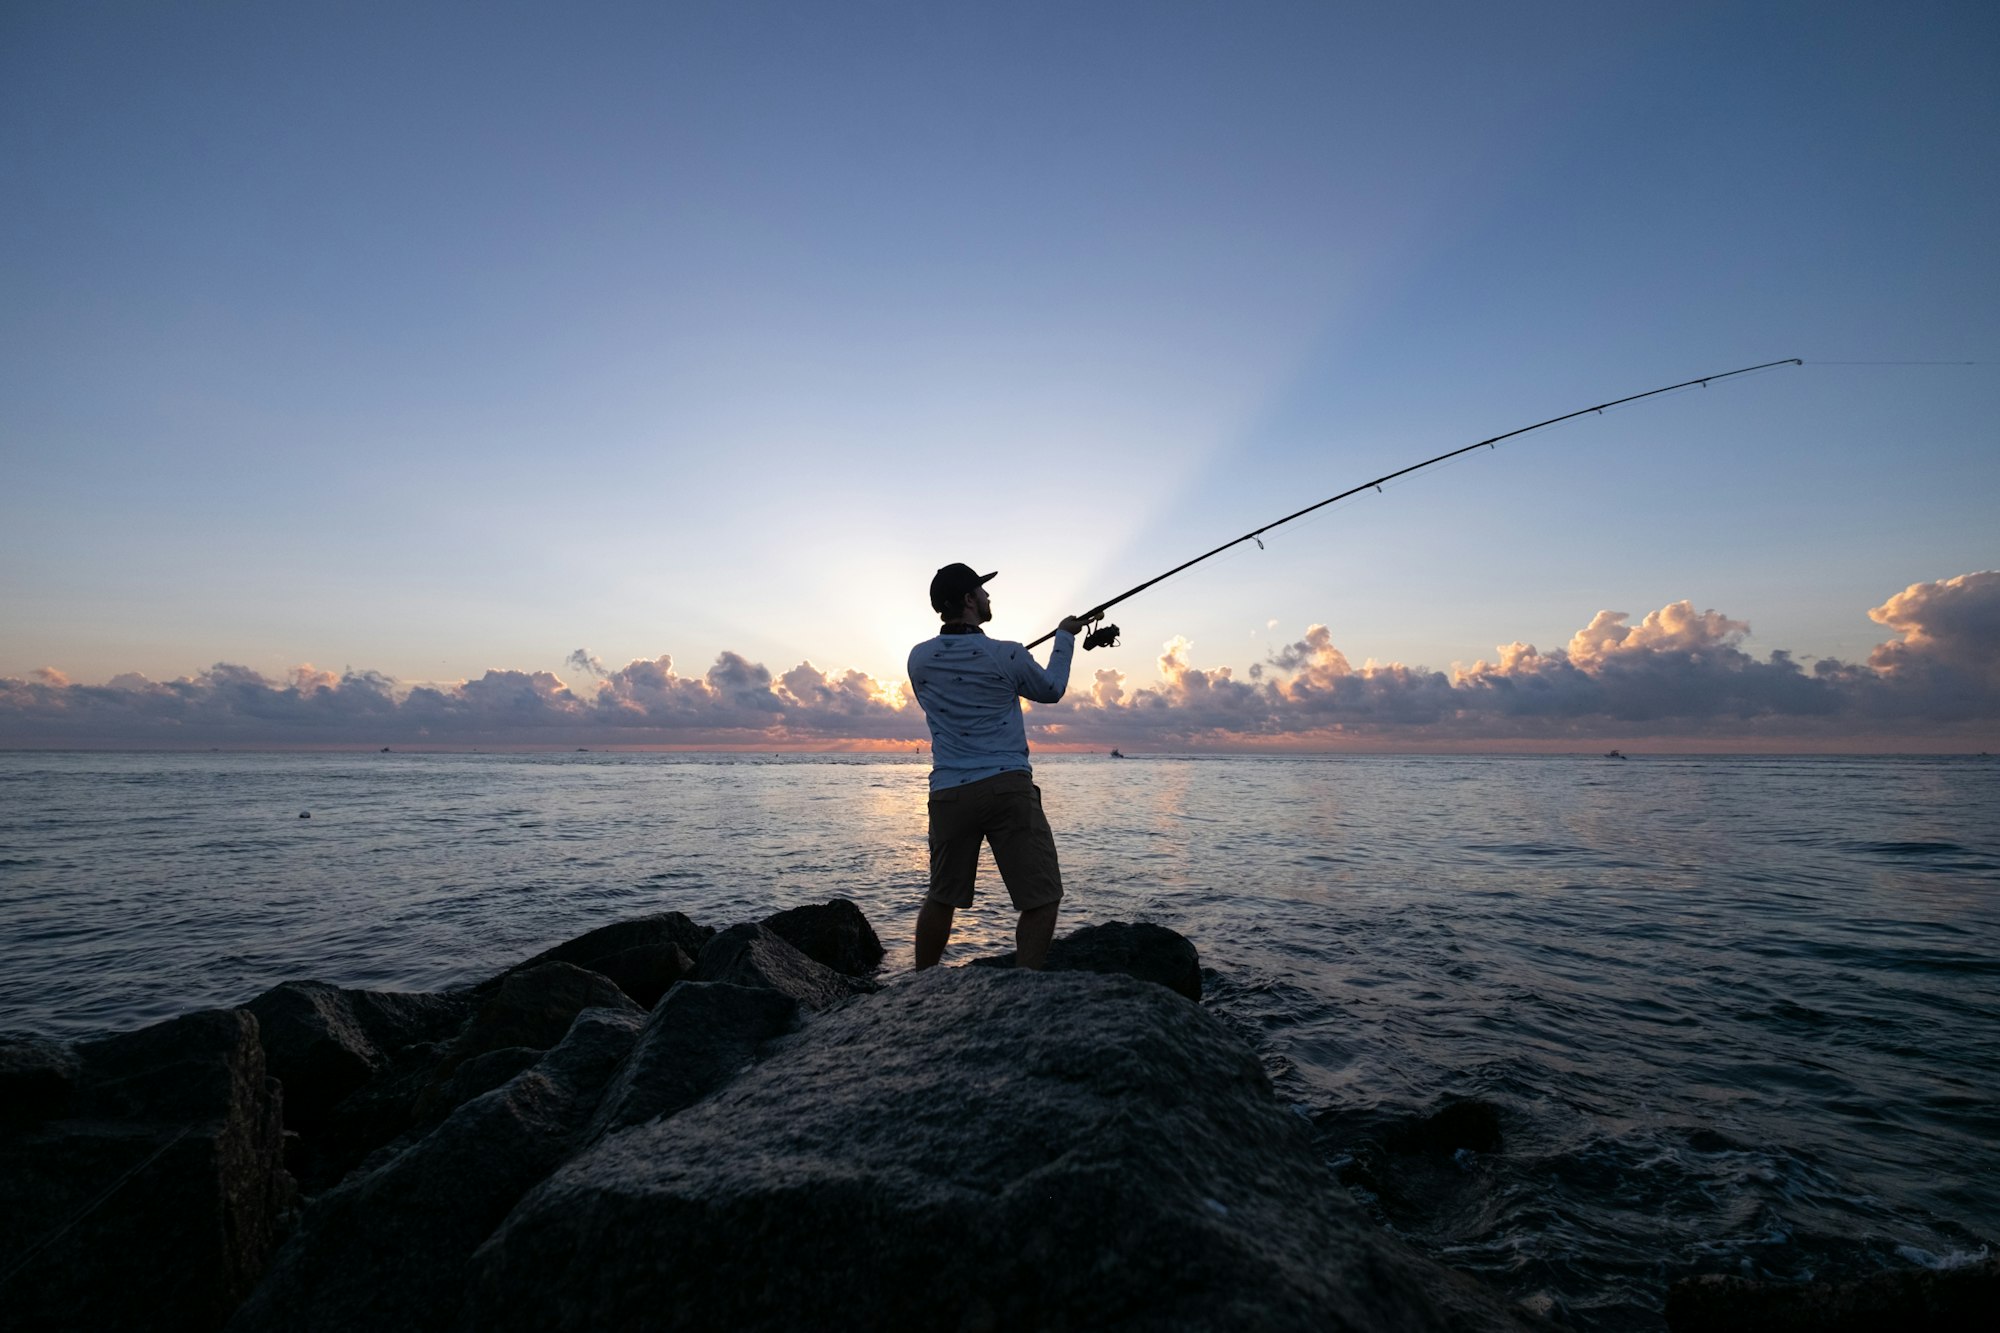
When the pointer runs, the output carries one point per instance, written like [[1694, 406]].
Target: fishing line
[[1107, 635]]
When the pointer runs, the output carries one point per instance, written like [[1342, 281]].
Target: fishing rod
[[1106, 636]]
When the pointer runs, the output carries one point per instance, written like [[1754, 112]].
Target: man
[[982, 788]]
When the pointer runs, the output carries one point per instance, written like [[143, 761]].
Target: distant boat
[[1613, 754], [1116, 755]]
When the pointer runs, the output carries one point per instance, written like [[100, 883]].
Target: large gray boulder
[[387, 1248], [834, 934], [1133, 949], [752, 955], [974, 1149], [155, 1193], [699, 1037]]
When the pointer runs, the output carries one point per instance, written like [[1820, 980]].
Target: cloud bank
[[1678, 676]]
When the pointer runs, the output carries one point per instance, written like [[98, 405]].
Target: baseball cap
[[950, 584]]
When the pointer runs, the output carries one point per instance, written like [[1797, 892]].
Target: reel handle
[[1104, 636]]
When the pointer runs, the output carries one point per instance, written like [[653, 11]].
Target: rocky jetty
[[658, 1124]]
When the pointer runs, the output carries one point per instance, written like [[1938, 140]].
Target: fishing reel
[[1104, 636]]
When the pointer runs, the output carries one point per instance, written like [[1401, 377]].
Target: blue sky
[[429, 340]]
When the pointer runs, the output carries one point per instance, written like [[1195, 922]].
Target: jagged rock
[[387, 1250], [1135, 949], [37, 1077], [482, 1073], [323, 1042], [395, 1020], [1919, 1300], [314, 1046], [973, 1149], [834, 934], [606, 943], [532, 1007], [752, 955], [646, 971], [157, 1198], [361, 1122], [699, 1037]]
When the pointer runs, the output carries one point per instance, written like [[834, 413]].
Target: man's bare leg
[[1031, 937], [933, 929]]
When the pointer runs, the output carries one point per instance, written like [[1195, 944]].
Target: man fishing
[[982, 788]]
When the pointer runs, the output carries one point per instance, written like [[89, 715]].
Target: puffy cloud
[[1677, 630], [1950, 629], [1678, 673]]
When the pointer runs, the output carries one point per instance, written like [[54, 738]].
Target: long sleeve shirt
[[971, 689]]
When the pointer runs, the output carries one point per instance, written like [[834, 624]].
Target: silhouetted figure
[[982, 788]]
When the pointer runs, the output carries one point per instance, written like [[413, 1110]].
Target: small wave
[[1941, 1263], [1907, 849]]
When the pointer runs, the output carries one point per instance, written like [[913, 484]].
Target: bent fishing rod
[[1106, 636]]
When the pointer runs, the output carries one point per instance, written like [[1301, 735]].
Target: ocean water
[[1733, 1014]]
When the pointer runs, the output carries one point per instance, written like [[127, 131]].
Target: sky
[[618, 374]]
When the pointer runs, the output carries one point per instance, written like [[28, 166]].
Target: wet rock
[[37, 1077], [699, 1037], [834, 934], [1417, 1169], [973, 1149], [387, 1249], [156, 1199], [323, 1042], [1134, 949], [752, 955], [1921, 1300], [606, 943]]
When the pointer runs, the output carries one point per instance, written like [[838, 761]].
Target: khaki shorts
[[1006, 811]]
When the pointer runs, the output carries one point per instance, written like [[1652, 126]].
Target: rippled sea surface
[[1735, 1015]]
